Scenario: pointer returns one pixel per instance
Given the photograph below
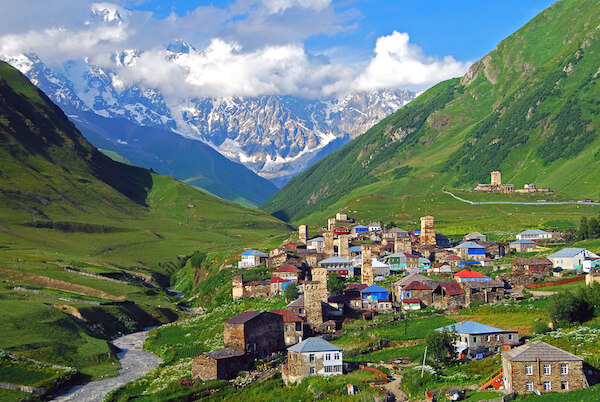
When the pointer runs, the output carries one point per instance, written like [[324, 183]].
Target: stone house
[[418, 290], [294, 327], [542, 266], [372, 295], [255, 333], [313, 356], [477, 340], [251, 289], [338, 265], [539, 367], [218, 365], [470, 251], [287, 272], [398, 285], [494, 249], [297, 306], [278, 285], [315, 244], [487, 292], [475, 236], [448, 295], [523, 246]]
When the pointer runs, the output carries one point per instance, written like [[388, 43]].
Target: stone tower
[[366, 271], [343, 250], [402, 245], [427, 230], [331, 222], [328, 245], [315, 292], [237, 287], [496, 178], [302, 234]]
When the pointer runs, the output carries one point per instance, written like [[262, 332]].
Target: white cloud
[[250, 48], [398, 63]]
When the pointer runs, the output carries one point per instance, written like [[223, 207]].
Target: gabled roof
[[335, 260], [255, 253], [244, 317], [314, 344], [469, 244], [360, 227], [410, 278], [533, 232], [375, 224], [533, 261], [471, 328], [355, 249], [375, 263], [276, 279], [539, 350], [408, 301], [453, 257], [474, 234], [452, 288], [467, 273], [223, 354], [402, 255], [298, 303], [288, 268], [416, 286], [357, 286], [317, 239], [523, 241], [396, 230], [374, 289], [568, 252], [287, 315]]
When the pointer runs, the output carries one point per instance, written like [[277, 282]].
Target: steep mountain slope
[[529, 108], [63, 203], [275, 136], [168, 153]]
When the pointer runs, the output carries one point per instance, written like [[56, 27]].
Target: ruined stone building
[[240, 289], [539, 367], [313, 356], [255, 333], [218, 365]]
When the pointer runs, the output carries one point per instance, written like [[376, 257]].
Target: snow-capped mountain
[[275, 136]]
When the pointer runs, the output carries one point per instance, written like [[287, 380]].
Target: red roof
[[451, 288], [408, 255], [453, 257], [276, 279], [411, 301], [414, 285], [468, 273], [358, 286], [287, 315], [439, 264], [287, 268]]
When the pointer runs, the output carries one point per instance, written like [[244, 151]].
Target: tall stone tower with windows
[[302, 234], [427, 236], [328, 250], [366, 270], [496, 178]]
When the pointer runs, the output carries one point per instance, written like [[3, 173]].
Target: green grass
[[581, 395], [21, 375], [13, 395]]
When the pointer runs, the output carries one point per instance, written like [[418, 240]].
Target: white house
[[534, 234], [375, 227], [252, 258], [571, 258], [315, 244], [313, 356]]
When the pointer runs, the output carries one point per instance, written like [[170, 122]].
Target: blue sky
[[309, 48]]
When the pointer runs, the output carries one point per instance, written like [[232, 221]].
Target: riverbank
[[135, 362]]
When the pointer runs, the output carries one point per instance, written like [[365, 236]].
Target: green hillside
[[529, 108], [63, 202]]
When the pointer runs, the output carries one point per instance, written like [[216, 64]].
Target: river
[[135, 362]]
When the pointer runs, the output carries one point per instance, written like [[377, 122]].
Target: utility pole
[[424, 357]]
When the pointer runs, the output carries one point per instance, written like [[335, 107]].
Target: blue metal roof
[[314, 344], [469, 244], [335, 260], [471, 328], [374, 289], [523, 241], [533, 232], [255, 252], [355, 249], [568, 252]]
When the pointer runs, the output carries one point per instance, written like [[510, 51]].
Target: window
[[488, 338], [529, 386], [547, 386], [564, 385], [547, 369], [329, 369], [497, 337], [312, 370], [509, 336], [529, 369], [327, 356], [298, 326], [311, 357], [564, 368], [475, 339]]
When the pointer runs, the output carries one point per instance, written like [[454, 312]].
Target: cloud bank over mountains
[[248, 48]]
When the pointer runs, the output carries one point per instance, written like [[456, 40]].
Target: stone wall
[[258, 337], [517, 378]]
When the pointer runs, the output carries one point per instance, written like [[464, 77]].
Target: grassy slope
[[107, 217], [517, 110]]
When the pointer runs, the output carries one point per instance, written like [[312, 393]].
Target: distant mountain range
[[275, 136], [529, 108]]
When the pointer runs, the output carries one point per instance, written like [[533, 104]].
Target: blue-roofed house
[[571, 258], [534, 234], [358, 229], [477, 340], [252, 258], [376, 297], [355, 250], [470, 251], [523, 246], [312, 356]]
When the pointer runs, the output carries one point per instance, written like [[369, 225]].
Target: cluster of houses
[[496, 186], [367, 255]]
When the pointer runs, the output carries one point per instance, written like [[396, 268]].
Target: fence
[[559, 282]]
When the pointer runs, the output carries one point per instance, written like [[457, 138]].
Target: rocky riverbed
[[135, 362]]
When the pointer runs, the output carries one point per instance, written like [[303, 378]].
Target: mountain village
[[396, 273]]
